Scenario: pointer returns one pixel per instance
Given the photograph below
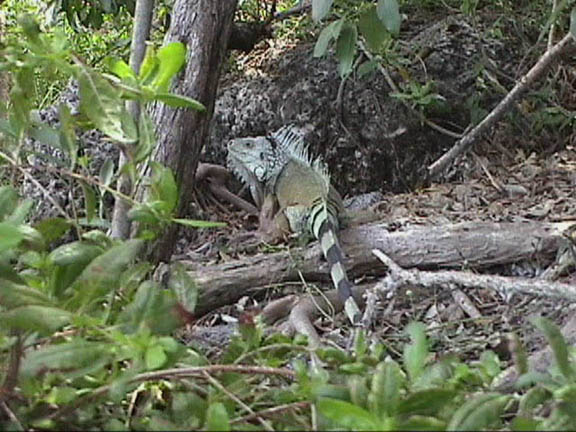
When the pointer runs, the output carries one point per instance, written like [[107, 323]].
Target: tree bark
[[473, 245], [204, 27]]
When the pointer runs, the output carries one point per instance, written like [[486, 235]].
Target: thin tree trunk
[[204, 27], [140, 34]]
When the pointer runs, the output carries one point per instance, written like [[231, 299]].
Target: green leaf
[[77, 252], [217, 418], [8, 201], [68, 138], [389, 13], [179, 101], [67, 356], [358, 390], [129, 125], [106, 268], [346, 415], [43, 319], [199, 223], [32, 238], [490, 365], [155, 357], [102, 274], [21, 97], [101, 103], [479, 413], [329, 391], [7, 272], [331, 31], [6, 127], [163, 187], [47, 135], [346, 49], [106, 174], [52, 228], [558, 345], [152, 308], [171, 59], [416, 353], [320, 8], [533, 398], [20, 213], [97, 237], [89, 200], [187, 408], [360, 345], [61, 395], [149, 67], [143, 214], [121, 69], [426, 402], [566, 393], [422, 423], [525, 424], [14, 295], [372, 29], [146, 137], [384, 395], [10, 236], [32, 31], [183, 286]]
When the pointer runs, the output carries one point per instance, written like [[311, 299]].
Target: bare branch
[[497, 113]]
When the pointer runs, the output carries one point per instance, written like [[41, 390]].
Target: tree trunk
[[140, 33], [204, 27], [4, 78]]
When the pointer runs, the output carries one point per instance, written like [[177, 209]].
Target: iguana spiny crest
[[278, 166]]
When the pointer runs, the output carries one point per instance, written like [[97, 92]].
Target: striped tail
[[323, 225]]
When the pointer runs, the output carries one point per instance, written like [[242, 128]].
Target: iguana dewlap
[[278, 168]]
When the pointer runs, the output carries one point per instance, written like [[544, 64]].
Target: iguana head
[[255, 158]]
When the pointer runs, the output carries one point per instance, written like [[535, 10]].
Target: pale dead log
[[400, 277], [474, 245]]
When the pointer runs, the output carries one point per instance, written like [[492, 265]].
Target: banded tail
[[324, 225]]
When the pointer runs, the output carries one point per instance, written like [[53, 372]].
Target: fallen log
[[474, 245]]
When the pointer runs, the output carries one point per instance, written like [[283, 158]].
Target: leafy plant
[[102, 107], [421, 97], [375, 23]]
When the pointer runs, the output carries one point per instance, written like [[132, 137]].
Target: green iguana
[[280, 173]]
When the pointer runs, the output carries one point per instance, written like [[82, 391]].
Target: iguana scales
[[279, 172]]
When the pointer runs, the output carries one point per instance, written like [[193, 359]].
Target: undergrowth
[[87, 334]]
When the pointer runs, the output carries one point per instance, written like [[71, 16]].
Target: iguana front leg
[[273, 225]]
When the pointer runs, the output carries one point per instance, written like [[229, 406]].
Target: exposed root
[[302, 311]]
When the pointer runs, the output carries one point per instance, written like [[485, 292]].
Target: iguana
[[280, 173]]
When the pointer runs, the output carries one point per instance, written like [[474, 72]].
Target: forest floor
[[501, 187], [501, 180]]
